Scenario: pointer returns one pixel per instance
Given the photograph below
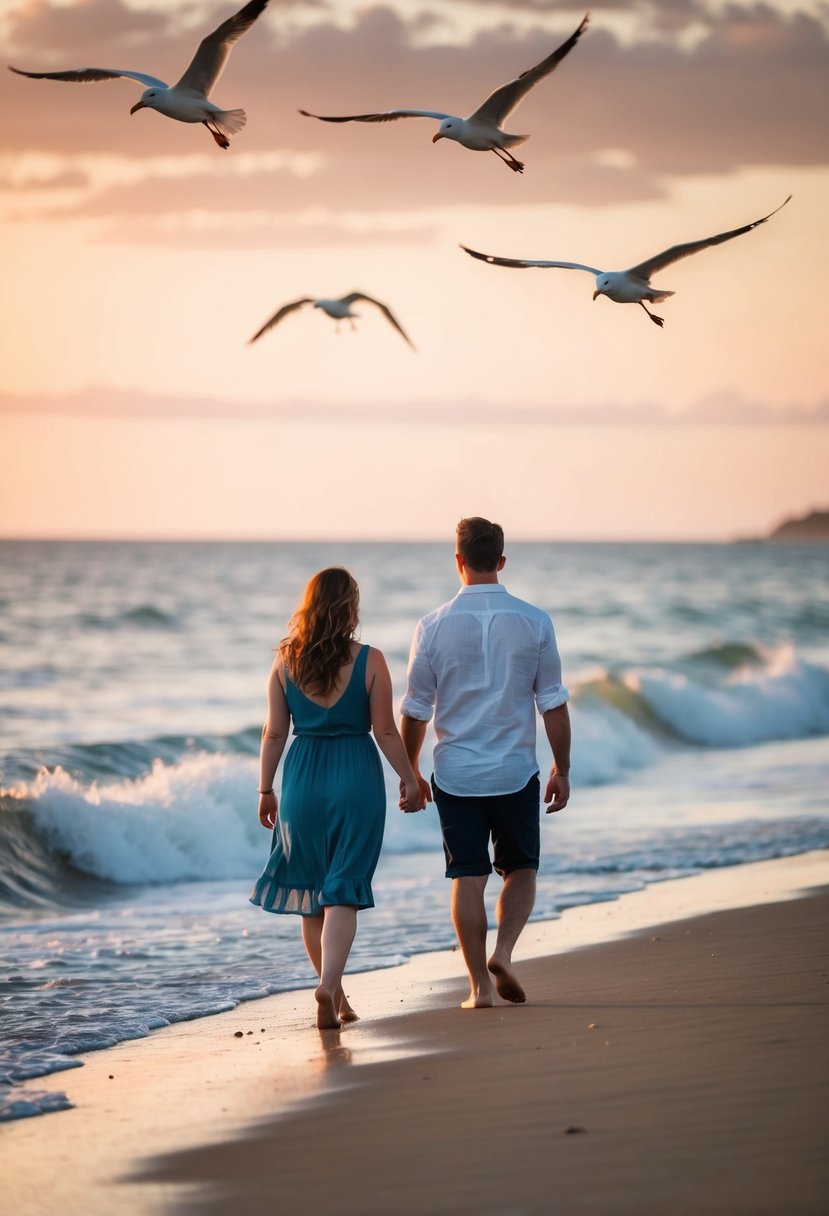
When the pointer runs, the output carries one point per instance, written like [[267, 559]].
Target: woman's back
[[349, 714]]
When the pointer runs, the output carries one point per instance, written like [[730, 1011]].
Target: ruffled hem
[[272, 896]]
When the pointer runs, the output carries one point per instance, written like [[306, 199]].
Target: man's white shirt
[[495, 661]]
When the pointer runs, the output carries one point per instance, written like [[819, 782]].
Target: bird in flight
[[338, 310], [481, 131], [186, 101], [633, 286]]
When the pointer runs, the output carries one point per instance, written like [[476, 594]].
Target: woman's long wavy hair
[[321, 631]]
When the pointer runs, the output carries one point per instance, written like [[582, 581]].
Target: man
[[482, 663]]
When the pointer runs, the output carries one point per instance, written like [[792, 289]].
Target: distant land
[[814, 526]]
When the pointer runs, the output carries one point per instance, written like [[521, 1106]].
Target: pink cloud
[[111, 402], [754, 91]]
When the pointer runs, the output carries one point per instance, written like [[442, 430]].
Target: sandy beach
[[672, 1058]]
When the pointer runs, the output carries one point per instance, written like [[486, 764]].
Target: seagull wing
[[385, 116], [521, 264], [90, 75], [504, 100], [387, 312], [277, 316], [645, 269], [212, 55]]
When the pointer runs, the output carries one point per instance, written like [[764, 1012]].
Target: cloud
[[102, 401], [730, 406], [63, 179], [282, 193], [751, 90], [259, 231], [43, 29]]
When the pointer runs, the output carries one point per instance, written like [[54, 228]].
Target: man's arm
[[557, 726], [417, 706], [413, 732]]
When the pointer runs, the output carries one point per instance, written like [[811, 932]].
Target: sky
[[138, 260]]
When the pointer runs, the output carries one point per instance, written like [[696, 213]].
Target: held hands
[[557, 791], [414, 795], [268, 810]]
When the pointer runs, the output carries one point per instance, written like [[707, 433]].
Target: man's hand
[[557, 791]]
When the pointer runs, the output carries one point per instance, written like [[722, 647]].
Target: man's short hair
[[480, 543]]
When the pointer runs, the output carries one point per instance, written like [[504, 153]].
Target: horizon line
[[138, 539]]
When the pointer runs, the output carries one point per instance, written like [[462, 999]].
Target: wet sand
[[681, 1067]]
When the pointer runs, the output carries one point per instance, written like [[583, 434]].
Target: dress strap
[[357, 682]]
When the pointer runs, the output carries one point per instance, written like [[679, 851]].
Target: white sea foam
[[606, 745], [194, 819], [785, 698]]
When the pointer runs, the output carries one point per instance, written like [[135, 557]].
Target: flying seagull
[[633, 286], [339, 310], [481, 131], [186, 100]]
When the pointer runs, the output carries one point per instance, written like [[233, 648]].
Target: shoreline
[[225, 1079]]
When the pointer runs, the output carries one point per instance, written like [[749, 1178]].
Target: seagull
[[481, 131], [338, 310], [186, 100], [634, 286]]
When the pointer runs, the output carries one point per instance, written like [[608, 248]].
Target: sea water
[[132, 682]]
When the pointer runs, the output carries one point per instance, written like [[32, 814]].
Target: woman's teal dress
[[332, 808]]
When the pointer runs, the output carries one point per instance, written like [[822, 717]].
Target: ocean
[[133, 689]]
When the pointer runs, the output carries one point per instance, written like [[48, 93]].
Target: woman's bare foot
[[506, 985], [326, 1010], [344, 1010], [479, 998]]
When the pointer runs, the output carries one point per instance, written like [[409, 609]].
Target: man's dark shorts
[[510, 820]]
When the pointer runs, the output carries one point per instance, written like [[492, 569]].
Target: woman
[[328, 831]]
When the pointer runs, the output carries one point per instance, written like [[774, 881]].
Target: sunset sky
[[138, 259]]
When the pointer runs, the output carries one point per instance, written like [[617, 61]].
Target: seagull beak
[[596, 293], [139, 105], [435, 138]]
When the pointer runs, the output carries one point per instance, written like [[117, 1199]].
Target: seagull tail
[[513, 141], [229, 122], [655, 296]]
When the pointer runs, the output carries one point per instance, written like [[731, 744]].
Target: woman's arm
[[274, 738], [378, 685]]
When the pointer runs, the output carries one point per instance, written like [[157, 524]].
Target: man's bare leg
[[515, 903], [469, 918]]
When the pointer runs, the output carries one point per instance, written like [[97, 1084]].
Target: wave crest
[[726, 696], [191, 820]]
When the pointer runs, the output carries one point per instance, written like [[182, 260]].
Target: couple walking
[[481, 665]]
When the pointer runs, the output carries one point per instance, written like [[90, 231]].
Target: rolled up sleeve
[[549, 690], [419, 701]]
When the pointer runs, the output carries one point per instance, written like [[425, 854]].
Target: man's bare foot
[[506, 985], [326, 1010], [479, 998]]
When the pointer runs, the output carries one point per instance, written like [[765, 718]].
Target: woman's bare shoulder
[[278, 671], [375, 661]]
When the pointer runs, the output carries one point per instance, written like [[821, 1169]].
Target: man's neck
[[476, 578]]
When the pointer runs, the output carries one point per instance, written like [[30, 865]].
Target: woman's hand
[[414, 795], [268, 810]]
